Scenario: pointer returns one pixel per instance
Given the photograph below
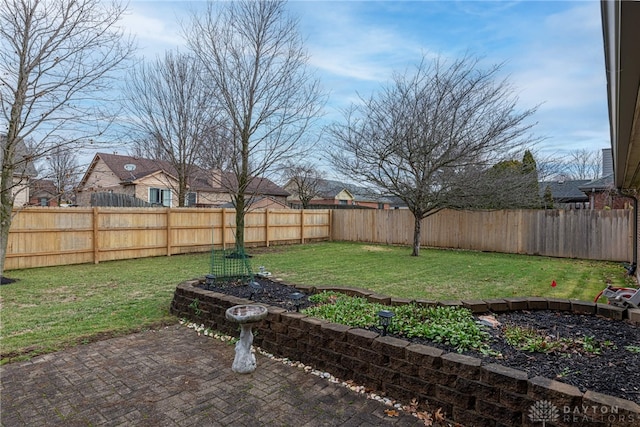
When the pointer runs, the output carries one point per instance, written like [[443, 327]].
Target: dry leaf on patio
[[391, 413], [412, 406], [425, 417], [439, 415]]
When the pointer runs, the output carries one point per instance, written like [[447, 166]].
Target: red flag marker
[[554, 284]]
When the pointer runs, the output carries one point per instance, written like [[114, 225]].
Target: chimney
[[607, 162]]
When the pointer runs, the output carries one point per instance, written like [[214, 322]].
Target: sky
[[551, 51]]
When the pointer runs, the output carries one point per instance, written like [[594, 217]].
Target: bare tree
[[305, 180], [429, 136], [56, 58], [583, 164], [63, 169], [254, 56], [549, 166], [146, 148], [174, 115], [217, 148]]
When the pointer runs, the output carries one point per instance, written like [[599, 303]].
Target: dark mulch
[[272, 293], [7, 280], [615, 371]]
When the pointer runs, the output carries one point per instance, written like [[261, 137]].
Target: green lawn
[[52, 308]]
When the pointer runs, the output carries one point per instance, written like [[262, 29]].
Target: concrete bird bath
[[246, 315]]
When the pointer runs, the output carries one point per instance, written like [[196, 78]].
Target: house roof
[[199, 179], [566, 191], [329, 189], [600, 184], [43, 186]]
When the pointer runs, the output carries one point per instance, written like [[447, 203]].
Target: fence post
[[96, 244], [224, 231], [302, 226], [266, 224], [330, 222], [168, 231]]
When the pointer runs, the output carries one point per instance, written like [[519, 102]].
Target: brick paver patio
[[174, 377]]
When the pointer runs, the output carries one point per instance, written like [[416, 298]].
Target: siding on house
[[101, 178], [20, 192]]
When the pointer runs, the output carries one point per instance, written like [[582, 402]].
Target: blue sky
[[552, 51]]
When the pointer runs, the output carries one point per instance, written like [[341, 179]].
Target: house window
[[160, 196], [343, 202], [44, 201], [191, 199]]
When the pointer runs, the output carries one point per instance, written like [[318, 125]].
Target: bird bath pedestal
[[245, 361]]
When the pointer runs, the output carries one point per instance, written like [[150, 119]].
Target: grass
[[439, 274], [52, 308]]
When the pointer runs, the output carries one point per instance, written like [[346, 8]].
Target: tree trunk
[[6, 201], [5, 224], [240, 211], [416, 236]]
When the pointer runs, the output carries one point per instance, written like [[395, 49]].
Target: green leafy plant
[[195, 306], [323, 297], [590, 345], [346, 310], [454, 326], [565, 372], [529, 339], [448, 325], [533, 340], [632, 348]]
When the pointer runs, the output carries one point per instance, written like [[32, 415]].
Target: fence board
[[41, 236], [58, 236], [585, 234]]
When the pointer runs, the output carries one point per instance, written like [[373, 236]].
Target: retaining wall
[[469, 392]]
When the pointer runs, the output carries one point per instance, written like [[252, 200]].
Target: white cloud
[[156, 28]]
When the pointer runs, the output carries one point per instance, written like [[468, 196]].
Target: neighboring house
[[24, 172], [154, 181], [396, 202], [599, 193], [603, 194], [43, 192], [566, 193], [336, 193]]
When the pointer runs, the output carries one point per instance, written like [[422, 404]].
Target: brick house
[[603, 194], [43, 192]]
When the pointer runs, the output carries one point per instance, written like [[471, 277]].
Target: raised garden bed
[[472, 389]]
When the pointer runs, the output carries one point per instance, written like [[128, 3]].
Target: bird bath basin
[[246, 315]]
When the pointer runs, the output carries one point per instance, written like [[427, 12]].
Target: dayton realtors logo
[[543, 411]]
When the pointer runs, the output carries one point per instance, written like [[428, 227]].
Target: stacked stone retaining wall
[[469, 392]]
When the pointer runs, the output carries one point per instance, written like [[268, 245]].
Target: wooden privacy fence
[[586, 234], [58, 236]]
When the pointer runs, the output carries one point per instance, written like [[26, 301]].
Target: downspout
[[631, 269]]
